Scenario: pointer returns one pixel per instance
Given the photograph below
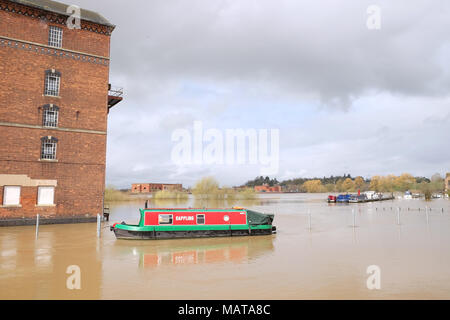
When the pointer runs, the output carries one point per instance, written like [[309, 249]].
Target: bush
[[247, 194], [112, 194], [208, 188], [428, 194]]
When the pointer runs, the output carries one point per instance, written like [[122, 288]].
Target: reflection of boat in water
[[198, 251], [158, 224]]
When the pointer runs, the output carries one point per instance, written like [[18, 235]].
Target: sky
[[349, 89]]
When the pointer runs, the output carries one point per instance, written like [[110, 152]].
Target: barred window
[[48, 149], [50, 116], [52, 81], [55, 37]]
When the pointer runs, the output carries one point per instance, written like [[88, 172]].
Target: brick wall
[[30, 29], [83, 90], [81, 156]]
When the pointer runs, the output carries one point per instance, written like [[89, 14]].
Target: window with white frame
[[55, 35], [46, 196], [50, 116], [165, 219], [11, 196], [48, 148], [52, 82]]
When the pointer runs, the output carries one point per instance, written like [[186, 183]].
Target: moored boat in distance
[[358, 198], [368, 196], [158, 224], [331, 199], [343, 198]]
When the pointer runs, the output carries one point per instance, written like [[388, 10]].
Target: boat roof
[[61, 8]]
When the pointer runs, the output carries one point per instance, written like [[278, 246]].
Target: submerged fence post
[[309, 215], [398, 216], [37, 226], [99, 224], [426, 211], [354, 218]]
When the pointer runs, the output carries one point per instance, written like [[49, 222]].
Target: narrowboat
[[158, 224], [343, 198], [331, 199], [358, 198]]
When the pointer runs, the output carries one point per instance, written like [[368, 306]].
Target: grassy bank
[[112, 194]]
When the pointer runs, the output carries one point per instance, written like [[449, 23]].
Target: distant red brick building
[[267, 188], [154, 187], [54, 105]]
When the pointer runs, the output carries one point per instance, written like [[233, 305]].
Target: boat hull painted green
[[183, 234]]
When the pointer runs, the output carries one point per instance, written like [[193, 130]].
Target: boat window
[[200, 219], [165, 219]]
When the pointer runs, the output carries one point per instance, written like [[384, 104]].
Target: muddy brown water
[[329, 261]]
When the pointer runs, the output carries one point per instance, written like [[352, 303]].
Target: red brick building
[[54, 103], [155, 187], [267, 188]]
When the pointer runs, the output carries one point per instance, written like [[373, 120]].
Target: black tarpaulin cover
[[256, 218]]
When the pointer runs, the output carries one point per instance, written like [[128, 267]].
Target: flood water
[[328, 261]]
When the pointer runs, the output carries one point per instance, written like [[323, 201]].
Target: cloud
[[346, 99], [323, 49]]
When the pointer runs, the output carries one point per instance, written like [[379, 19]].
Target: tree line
[[347, 183]]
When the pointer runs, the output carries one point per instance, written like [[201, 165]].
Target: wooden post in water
[[354, 218], [37, 226], [99, 225], [398, 216], [309, 215], [426, 211]]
